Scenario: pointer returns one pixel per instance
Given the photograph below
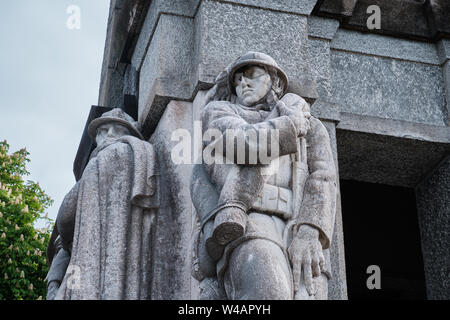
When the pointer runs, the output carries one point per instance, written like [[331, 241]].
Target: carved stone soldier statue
[[263, 225], [105, 221]]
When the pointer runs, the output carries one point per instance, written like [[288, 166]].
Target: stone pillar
[[433, 204], [172, 239], [320, 33], [337, 286]]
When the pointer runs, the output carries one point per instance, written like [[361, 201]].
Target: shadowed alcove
[[381, 228]]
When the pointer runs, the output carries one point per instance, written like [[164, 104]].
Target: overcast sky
[[50, 77]]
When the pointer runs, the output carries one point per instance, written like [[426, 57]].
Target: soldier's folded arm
[[319, 199], [219, 115]]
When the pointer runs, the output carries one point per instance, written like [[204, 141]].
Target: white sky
[[50, 77]]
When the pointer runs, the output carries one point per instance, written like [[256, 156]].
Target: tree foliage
[[23, 264]]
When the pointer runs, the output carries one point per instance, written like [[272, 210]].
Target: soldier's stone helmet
[[258, 59], [117, 116]]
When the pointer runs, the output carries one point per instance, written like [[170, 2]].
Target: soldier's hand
[[298, 116], [305, 253]]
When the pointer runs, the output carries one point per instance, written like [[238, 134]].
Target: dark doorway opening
[[381, 228]]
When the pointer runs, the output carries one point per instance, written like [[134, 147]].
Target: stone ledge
[[386, 159], [185, 8], [188, 8], [420, 20], [322, 28], [384, 46], [388, 88], [325, 110], [394, 128], [302, 7]]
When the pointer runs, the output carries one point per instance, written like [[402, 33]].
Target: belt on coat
[[274, 200]]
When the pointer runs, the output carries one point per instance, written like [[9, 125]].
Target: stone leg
[[258, 270], [237, 182], [239, 191]]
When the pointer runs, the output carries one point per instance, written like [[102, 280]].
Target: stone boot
[[229, 224], [213, 248]]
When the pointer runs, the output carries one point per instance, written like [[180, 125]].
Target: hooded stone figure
[[264, 225], [105, 221]]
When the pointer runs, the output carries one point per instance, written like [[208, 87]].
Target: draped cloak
[[116, 203]]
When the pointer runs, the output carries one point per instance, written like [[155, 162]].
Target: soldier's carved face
[[110, 132], [252, 83]]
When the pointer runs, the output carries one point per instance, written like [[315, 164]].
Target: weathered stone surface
[[131, 81], [322, 28], [433, 203], [319, 54], [388, 88], [114, 97], [337, 286], [172, 240], [446, 70], [303, 7], [383, 46], [225, 31], [384, 159], [325, 110], [167, 68], [443, 50], [185, 8]]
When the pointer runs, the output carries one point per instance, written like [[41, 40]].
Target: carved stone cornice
[[427, 20]]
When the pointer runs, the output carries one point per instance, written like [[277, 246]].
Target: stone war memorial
[[263, 150]]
